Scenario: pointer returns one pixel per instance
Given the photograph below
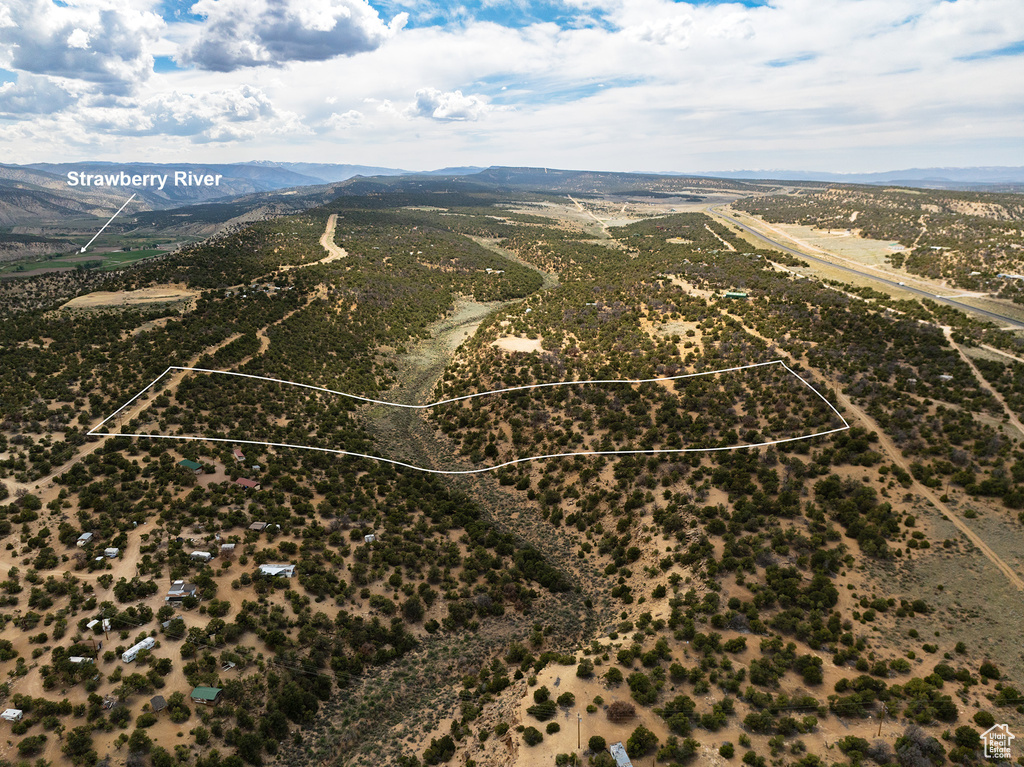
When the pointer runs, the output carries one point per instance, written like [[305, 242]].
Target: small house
[[202, 556], [239, 455], [227, 550], [278, 571], [195, 468], [248, 484], [111, 553], [206, 696], [12, 715], [179, 590], [157, 703], [259, 527], [618, 752], [132, 652], [84, 539]]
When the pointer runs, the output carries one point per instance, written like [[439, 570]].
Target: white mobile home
[[286, 571], [84, 539], [12, 715], [130, 654], [202, 556]]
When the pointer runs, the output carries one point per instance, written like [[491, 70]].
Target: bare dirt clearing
[[158, 294], [515, 344]]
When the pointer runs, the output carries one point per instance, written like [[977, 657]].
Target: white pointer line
[[106, 224], [654, 451]]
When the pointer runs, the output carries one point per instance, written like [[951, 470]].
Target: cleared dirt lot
[[158, 294]]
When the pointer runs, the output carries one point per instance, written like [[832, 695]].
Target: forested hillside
[[811, 601]]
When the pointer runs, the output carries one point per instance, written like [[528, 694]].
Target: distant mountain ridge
[[927, 177], [40, 192]]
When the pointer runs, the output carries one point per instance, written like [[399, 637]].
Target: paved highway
[[892, 283]]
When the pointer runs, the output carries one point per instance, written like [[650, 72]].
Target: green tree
[[642, 741]]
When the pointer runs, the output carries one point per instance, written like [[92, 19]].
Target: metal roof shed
[[205, 695], [157, 703]]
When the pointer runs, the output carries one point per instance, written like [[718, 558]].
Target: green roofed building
[[192, 466], [735, 294], [207, 696]]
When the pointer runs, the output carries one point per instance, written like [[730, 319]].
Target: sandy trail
[[948, 332], [327, 243], [1004, 353], [896, 456], [728, 245], [171, 382], [604, 226]]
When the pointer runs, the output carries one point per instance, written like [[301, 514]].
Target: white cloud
[[247, 33], [674, 31], [102, 42], [216, 116], [33, 95], [837, 84], [78, 39], [345, 121], [451, 105]]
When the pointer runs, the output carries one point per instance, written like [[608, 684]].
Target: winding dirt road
[[896, 456]]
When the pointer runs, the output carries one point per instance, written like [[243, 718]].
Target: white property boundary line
[[93, 432]]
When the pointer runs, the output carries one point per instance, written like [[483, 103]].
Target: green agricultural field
[[102, 261]]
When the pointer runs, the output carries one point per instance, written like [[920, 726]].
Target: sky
[[622, 85]]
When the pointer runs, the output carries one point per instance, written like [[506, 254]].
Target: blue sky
[[652, 85]]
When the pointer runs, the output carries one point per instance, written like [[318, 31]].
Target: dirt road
[[327, 243], [896, 456], [170, 381], [948, 332]]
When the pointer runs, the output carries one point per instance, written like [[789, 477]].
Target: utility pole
[[881, 717], [579, 719]]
